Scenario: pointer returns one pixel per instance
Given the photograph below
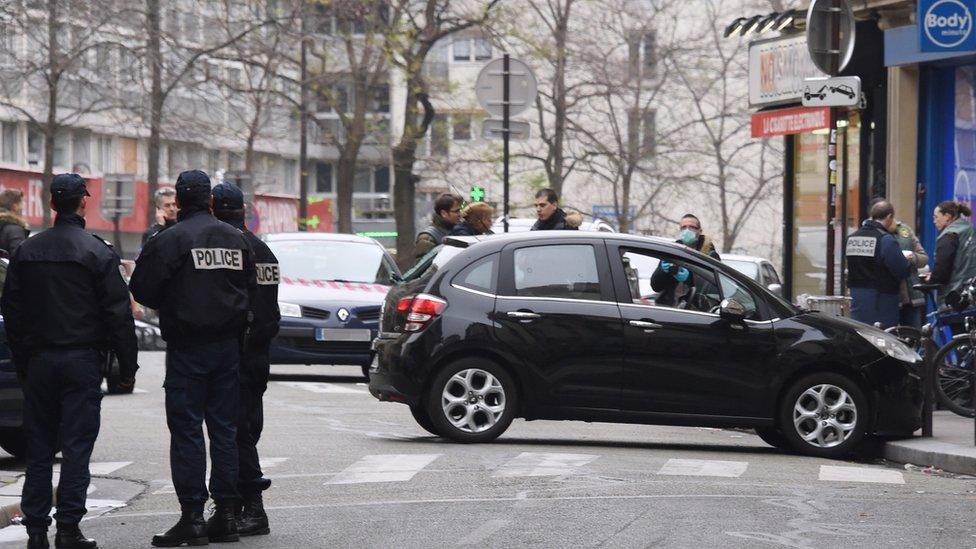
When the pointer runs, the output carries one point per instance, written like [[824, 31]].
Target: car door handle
[[523, 315], [645, 324]]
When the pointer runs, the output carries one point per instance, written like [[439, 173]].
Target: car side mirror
[[731, 309], [776, 289]]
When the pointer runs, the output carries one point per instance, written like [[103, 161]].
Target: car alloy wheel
[[471, 400], [825, 415]]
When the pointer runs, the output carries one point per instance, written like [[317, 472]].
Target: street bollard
[[928, 382]]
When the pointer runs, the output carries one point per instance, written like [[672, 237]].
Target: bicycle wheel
[[954, 375]]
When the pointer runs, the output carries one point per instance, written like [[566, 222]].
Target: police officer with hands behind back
[[199, 274], [65, 305], [255, 364], [876, 267]]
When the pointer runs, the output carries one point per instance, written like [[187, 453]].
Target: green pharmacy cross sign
[[477, 194]]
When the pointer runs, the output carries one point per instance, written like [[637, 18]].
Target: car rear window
[[482, 275]]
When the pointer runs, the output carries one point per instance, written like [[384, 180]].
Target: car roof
[[499, 240], [318, 237], [748, 258]]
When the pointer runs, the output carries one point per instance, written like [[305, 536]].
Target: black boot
[[222, 526], [38, 541], [190, 530], [69, 536], [253, 520]]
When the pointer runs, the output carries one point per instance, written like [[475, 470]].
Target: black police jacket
[[875, 260], [64, 290], [199, 274], [266, 317]]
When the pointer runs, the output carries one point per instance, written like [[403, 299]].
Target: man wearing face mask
[[876, 267], [674, 282]]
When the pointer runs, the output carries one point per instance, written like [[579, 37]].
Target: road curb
[[925, 451]]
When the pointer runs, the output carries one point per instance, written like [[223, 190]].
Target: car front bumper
[[897, 395], [296, 344]]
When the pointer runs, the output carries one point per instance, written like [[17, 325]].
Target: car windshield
[[331, 260], [747, 268]]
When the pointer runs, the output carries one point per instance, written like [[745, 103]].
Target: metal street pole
[[303, 140], [834, 65], [505, 134]]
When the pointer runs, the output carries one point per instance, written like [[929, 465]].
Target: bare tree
[[48, 53], [737, 172], [416, 25]]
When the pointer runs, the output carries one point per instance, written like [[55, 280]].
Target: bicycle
[[955, 359]]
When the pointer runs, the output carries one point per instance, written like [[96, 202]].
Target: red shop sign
[[790, 121]]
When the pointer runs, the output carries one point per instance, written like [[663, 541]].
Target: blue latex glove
[[666, 266], [682, 274]]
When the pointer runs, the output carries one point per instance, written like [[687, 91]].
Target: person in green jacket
[[912, 302], [955, 248]]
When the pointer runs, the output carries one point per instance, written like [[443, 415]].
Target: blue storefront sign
[[946, 25]]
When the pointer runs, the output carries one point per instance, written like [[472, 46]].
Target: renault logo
[[343, 315]]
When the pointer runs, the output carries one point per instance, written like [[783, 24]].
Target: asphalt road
[[352, 472]]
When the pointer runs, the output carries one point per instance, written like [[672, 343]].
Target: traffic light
[[477, 194]]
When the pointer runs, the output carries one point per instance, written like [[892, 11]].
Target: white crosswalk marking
[[860, 474], [529, 464], [321, 387], [384, 468], [106, 468], [167, 488], [267, 463], [704, 468]]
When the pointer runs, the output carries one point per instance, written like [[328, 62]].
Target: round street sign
[[820, 31], [521, 87]]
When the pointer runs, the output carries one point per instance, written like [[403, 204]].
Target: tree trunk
[[556, 174], [51, 124], [404, 189], [345, 180], [156, 105]]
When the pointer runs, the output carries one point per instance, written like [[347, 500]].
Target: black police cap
[[228, 196], [68, 185], [193, 182]]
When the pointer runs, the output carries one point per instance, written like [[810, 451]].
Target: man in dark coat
[[447, 214], [255, 364], [551, 216], [65, 305], [166, 211], [674, 282], [13, 226]]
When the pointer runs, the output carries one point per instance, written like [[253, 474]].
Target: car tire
[[423, 419], [773, 437], [483, 405], [14, 441], [834, 420]]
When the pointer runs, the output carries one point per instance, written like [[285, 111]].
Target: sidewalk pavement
[[953, 448]]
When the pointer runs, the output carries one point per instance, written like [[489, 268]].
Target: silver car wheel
[[473, 400], [825, 415]]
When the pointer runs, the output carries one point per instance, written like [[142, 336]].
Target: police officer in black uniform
[[255, 364], [875, 268], [65, 305], [199, 274]]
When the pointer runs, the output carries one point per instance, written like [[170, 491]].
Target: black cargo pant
[[202, 384], [255, 369], [62, 402]]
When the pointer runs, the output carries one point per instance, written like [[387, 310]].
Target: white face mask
[[688, 237]]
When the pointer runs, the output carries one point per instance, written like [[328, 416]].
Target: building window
[[379, 98], [461, 127], [438, 135], [289, 174], [381, 179], [648, 133], [9, 143], [35, 147], [471, 49], [363, 180], [81, 152], [323, 177], [649, 52], [103, 155]]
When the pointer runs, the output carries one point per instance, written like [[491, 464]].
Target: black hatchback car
[[553, 325]]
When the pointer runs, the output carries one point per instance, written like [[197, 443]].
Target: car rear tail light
[[421, 310]]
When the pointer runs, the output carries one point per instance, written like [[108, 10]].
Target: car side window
[[664, 281], [482, 275], [733, 290], [770, 274], [563, 270]]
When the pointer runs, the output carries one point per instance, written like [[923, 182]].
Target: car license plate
[[342, 334]]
